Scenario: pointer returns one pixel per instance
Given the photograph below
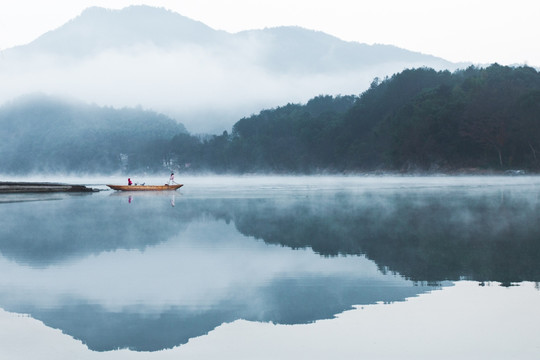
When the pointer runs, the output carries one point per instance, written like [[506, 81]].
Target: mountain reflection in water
[[135, 272]]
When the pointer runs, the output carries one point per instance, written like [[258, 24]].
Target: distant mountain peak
[[98, 29], [98, 10], [154, 57]]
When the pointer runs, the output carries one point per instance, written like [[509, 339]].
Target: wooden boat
[[145, 187]]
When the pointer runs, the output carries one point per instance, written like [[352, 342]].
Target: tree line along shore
[[476, 120]]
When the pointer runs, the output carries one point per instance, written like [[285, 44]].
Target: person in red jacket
[[129, 182]]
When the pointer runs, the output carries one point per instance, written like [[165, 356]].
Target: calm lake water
[[274, 267]]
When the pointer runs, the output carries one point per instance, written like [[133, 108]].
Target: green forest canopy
[[417, 120]]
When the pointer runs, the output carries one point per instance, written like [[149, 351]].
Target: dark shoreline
[[41, 187]]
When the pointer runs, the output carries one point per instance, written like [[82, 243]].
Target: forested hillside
[[419, 120], [43, 134], [474, 118]]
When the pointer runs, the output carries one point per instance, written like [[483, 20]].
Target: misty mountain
[[205, 78], [45, 134], [416, 121], [294, 49], [97, 30]]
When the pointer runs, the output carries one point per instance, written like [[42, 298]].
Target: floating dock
[[41, 187]]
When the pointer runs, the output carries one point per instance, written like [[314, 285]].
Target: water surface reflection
[[151, 271]]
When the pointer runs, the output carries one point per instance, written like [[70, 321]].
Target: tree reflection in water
[[426, 236]]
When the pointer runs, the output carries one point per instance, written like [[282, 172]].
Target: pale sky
[[479, 31]]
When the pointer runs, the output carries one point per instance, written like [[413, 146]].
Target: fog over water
[[201, 270]]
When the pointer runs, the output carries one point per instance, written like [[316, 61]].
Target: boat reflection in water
[[151, 276]]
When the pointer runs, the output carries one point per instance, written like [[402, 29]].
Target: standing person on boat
[[129, 181], [171, 179]]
